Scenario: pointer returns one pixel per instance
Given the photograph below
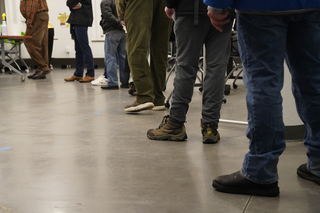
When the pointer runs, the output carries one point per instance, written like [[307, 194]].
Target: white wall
[[64, 43]]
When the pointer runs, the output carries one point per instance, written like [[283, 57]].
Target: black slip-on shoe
[[109, 87], [236, 183], [304, 173]]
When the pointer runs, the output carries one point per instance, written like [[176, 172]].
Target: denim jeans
[[83, 51], [115, 53], [264, 42]]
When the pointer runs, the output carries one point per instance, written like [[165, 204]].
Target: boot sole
[[273, 192], [211, 141], [309, 177], [169, 137]]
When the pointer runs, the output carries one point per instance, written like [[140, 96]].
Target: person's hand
[[169, 12], [29, 26], [77, 7], [122, 22], [219, 19]]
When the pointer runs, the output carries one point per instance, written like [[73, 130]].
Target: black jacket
[[109, 17], [82, 16], [187, 7]]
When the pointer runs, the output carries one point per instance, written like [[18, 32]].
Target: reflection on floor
[[70, 147]]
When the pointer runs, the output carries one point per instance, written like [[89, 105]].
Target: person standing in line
[[270, 32], [114, 46], [36, 14], [81, 18], [192, 30], [147, 31]]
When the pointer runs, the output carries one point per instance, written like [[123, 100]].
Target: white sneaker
[[100, 81]]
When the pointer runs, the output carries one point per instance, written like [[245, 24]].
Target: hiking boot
[[132, 89], [304, 173], [237, 183], [169, 129], [137, 107], [210, 133]]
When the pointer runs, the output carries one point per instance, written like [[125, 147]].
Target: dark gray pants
[[190, 40]]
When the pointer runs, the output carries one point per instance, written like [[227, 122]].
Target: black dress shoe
[[109, 87], [41, 75], [304, 173], [124, 86], [236, 183]]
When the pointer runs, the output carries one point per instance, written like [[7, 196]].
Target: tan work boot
[[169, 129], [87, 79], [210, 133], [73, 78]]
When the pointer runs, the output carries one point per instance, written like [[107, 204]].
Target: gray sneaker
[[210, 133], [169, 129]]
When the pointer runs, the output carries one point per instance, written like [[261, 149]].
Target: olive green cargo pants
[[148, 32]]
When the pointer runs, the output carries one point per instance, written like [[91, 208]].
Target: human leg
[[81, 33], [303, 60], [79, 56], [217, 54], [159, 51], [122, 53], [264, 81], [37, 46], [126, 74], [217, 46], [187, 59], [110, 46], [138, 19]]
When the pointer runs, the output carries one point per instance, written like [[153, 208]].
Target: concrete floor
[[71, 148]]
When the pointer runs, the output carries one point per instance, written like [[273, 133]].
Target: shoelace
[[164, 121]]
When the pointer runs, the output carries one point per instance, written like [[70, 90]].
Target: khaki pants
[[37, 46], [148, 32]]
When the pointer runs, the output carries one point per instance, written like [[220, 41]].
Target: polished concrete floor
[[71, 148]]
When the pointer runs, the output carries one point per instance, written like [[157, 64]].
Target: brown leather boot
[[73, 78], [87, 79]]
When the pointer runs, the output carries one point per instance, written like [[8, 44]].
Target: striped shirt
[[29, 8]]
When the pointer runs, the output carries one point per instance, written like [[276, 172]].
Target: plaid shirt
[[29, 8]]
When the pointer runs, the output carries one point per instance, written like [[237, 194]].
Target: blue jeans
[[264, 42], [115, 53], [83, 51]]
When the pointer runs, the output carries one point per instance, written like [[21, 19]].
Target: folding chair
[[15, 51]]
